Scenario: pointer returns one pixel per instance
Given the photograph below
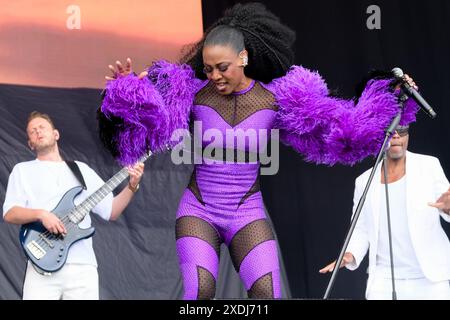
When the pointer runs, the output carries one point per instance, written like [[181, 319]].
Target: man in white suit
[[421, 249]]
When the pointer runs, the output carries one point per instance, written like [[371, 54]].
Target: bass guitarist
[[35, 187]]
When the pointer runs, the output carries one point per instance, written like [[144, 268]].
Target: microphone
[[411, 92]]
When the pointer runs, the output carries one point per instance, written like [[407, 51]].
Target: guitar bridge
[[36, 250]]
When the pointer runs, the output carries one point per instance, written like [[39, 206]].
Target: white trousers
[[380, 288], [72, 282]]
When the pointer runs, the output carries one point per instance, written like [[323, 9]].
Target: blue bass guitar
[[48, 251]]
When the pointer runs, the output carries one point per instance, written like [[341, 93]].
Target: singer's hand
[[410, 81], [410, 89], [121, 71]]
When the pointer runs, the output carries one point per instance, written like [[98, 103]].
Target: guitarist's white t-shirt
[[41, 185]]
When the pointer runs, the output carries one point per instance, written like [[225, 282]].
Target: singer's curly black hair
[[375, 74], [267, 40]]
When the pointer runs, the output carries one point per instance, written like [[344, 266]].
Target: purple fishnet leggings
[[248, 236]]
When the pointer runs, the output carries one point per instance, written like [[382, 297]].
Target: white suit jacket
[[425, 182]]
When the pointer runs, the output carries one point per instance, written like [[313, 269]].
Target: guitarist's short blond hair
[[37, 114]]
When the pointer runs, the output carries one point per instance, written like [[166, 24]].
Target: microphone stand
[[389, 131], [388, 213]]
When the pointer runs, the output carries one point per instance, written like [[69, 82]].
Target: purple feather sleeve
[[142, 114], [331, 130]]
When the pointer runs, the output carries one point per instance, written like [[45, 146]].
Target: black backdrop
[[311, 205]]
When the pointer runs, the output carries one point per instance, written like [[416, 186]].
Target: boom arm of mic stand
[[389, 132]]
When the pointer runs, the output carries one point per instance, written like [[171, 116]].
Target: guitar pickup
[[48, 242], [36, 250]]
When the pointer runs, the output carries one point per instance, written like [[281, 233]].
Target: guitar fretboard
[[81, 210]]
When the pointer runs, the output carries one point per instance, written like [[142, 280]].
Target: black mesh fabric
[[190, 226], [248, 238], [262, 288], [236, 108], [253, 189], [194, 188], [206, 284]]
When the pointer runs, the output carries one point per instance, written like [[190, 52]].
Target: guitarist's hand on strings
[[124, 197], [135, 173], [52, 223]]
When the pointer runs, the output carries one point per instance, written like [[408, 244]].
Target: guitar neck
[[108, 187], [90, 202]]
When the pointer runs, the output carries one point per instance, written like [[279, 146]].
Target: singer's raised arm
[[329, 130], [141, 114]]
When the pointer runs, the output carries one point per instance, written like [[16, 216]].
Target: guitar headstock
[[145, 156], [150, 153]]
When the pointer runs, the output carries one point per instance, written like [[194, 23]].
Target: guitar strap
[[76, 171]]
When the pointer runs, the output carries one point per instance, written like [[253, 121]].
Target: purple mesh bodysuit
[[222, 202], [225, 198]]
